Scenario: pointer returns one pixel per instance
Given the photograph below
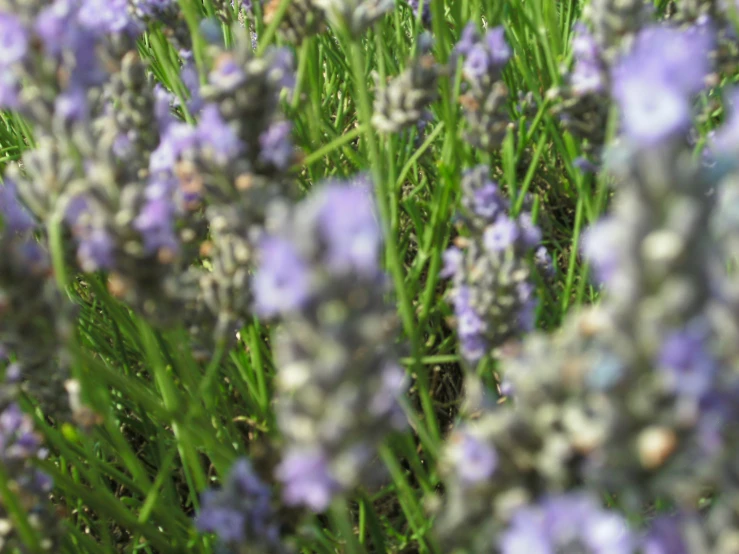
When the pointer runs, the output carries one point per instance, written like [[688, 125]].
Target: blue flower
[[307, 480], [281, 281], [568, 523], [13, 40]]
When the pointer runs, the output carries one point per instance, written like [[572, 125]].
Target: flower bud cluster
[[492, 287], [338, 378]]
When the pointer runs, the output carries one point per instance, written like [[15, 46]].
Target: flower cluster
[[338, 377], [403, 102], [633, 397], [34, 320], [354, 16], [629, 59], [492, 289], [241, 513], [486, 96], [19, 446]]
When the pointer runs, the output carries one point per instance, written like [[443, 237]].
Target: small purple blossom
[[241, 512], [13, 40], [470, 326], [467, 40], [665, 537], [651, 109], [568, 523], [500, 51], [487, 201], [96, 250], [601, 247], [281, 281], [501, 235], [349, 227], [14, 215], [653, 84], [307, 480], [9, 90], [217, 137], [453, 259], [156, 225], [276, 146], [726, 138], [686, 362], [473, 460], [107, 16], [477, 62]]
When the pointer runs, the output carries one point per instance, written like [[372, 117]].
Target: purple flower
[[530, 232], [651, 109], [587, 77], [13, 40], [601, 246], [467, 41], [686, 361], [96, 250], [57, 27], [679, 57], [477, 62], [178, 139], [470, 326], [349, 228], [282, 67], [225, 522], [654, 82], [191, 80], [227, 74], [71, 106], [487, 201], [665, 537], [215, 135], [474, 460], [567, 523], [385, 401], [275, 144], [584, 46], [281, 281], [307, 480], [501, 235], [17, 438], [107, 16], [453, 258], [15, 217], [9, 89], [241, 512], [726, 139], [499, 50], [155, 223]]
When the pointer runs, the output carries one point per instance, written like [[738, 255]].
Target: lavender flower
[[484, 103], [491, 299], [19, 446], [402, 102], [338, 382], [303, 19], [425, 14], [652, 70], [15, 216], [241, 512], [281, 283], [33, 323], [571, 523], [14, 41], [356, 16]]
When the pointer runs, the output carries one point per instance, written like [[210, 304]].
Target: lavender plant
[[338, 378], [225, 347]]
